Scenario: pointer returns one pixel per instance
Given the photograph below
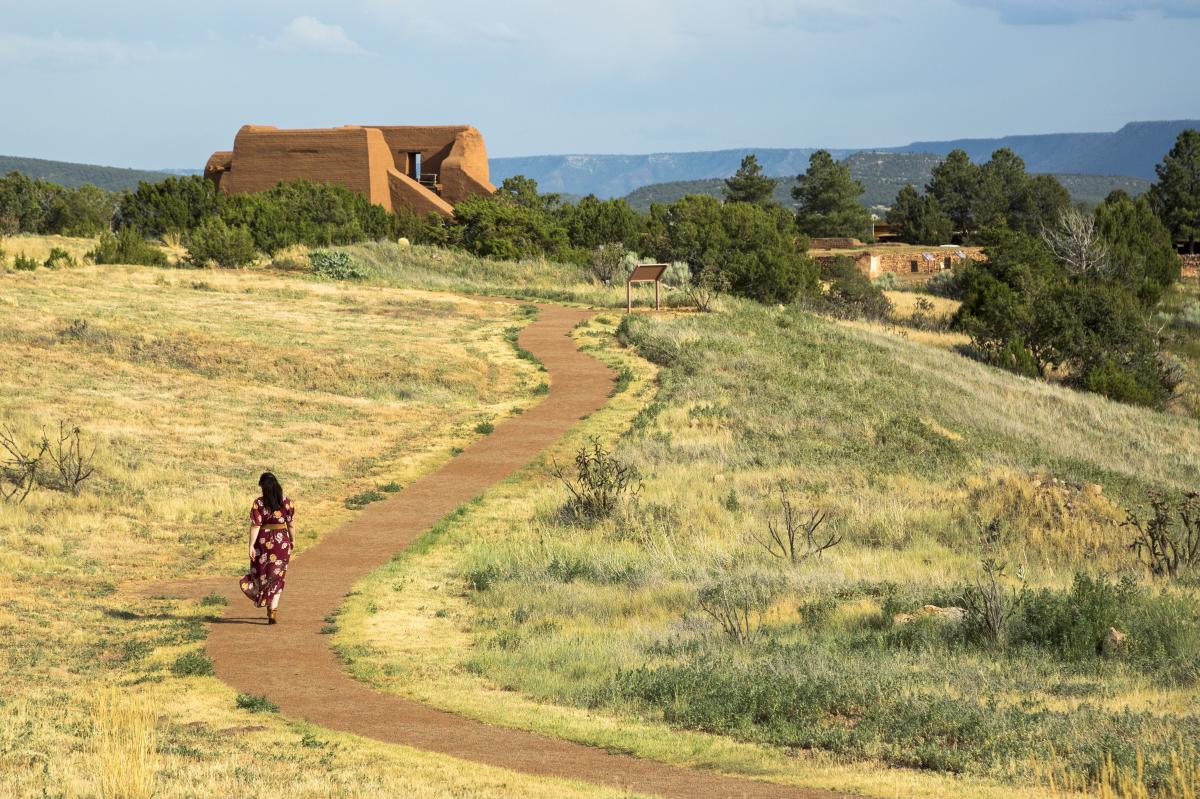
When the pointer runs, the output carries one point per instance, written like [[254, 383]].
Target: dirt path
[[307, 681]]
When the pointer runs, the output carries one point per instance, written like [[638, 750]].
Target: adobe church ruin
[[427, 169]]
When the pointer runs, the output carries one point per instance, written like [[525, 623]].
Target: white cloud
[[60, 52], [311, 35], [1067, 12]]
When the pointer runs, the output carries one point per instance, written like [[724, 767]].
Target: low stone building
[[426, 169], [907, 263], [1191, 265]]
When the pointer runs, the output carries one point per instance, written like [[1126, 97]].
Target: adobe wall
[[377, 162], [354, 157], [455, 153]]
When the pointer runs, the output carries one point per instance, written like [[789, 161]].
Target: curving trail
[[307, 681]]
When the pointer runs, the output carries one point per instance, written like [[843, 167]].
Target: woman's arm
[[253, 538]]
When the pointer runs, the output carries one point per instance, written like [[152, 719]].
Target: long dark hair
[[272, 492]]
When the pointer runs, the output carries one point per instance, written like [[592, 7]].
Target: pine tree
[[749, 184], [1176, 195], [920, 219], [827, 200]]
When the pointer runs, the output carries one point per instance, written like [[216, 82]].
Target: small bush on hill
[[335, 265], [214, 241], [947, 283], [126, 247], [23, 263], [851, 294], [600, 483], [58, 257]]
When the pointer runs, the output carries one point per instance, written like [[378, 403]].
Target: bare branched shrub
[[1168, 541], [20, 468], [704, 288], [737, 602], [62, 463], [600, 483], [796, 540], [70, 458], [1076, 243]]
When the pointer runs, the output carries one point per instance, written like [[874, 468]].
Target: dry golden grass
[[38, 247], [125, 738], [190, 383]]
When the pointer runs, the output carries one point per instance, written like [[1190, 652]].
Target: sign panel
[[644, 273]]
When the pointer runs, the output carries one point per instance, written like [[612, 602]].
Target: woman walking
[[271, 536]]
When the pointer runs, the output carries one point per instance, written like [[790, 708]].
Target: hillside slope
[[72, 175]]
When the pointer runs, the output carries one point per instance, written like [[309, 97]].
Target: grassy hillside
[[73, 175], [189, 384], [913, 452]]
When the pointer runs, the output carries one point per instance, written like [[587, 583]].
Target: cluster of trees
[[967, 198], [827, 198], [28, 205], [1075, 299]]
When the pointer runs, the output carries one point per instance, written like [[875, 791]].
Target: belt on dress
[[273, 526]]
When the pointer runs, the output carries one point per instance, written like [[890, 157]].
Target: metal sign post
[[644, 273]]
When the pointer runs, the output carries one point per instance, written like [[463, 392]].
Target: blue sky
[[162, 84]]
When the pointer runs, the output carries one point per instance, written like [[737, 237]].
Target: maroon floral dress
[[272, 551]]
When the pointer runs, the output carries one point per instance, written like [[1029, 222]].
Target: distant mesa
[[425, 169]]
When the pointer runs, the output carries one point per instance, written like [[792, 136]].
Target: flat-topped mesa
[[425, 169]]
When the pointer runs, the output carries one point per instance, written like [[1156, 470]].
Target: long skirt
[[268, 568]]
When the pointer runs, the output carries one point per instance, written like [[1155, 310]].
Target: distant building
[[909, 263], [426, 169]]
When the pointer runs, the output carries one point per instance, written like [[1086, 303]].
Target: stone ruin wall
[[910, 266], [1191, 265]]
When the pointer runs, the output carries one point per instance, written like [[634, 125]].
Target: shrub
[[607, 263], [1168, 541], [256, 704], [58, 257], [336, 265], [174, 205], [601, 482], [947, 283], [498, 227], [23, 263], [850, 294], [989, 605], [126, 247], [485, 428], [885, 282], [738, 601], [212, 241], [312, 214], [796, 539], [361, 500], [192, 664]]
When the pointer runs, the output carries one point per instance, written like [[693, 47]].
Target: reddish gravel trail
[[307, 681]]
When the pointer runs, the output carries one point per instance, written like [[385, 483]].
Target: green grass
[[911, 450]]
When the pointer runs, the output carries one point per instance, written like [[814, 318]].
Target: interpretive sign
[[644, 273]]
